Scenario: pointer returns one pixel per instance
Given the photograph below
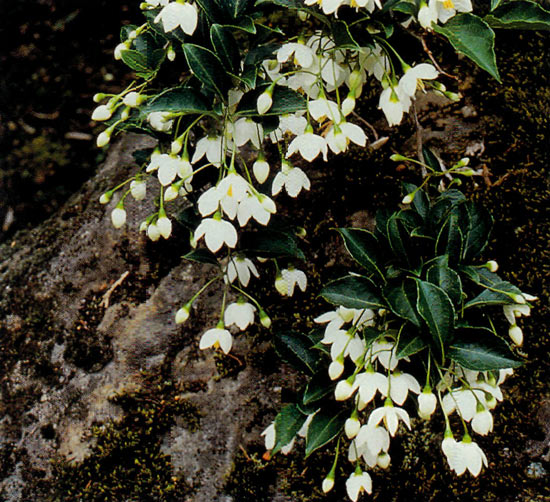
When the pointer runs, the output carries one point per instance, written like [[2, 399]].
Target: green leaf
[[225, 47], [201, 255], [449, 239], [473, 37], [183, 100], [287, 424], [317, 388], [363, 246], [476, 238], [495, 4], [402, 300], [269, 243], [324, 427], [285, 100], [352, 292], [431, 159], [207, 67], [135, 60], [296, 350], [448, 280], [342, 36], [436, 308], [519, 15], [398, 237], [499, 294], [421, 201], [235, 8], [409, 344], [486, 355]]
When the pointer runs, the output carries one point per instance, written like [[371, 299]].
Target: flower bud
[[102, 112], [328, 482], [344, 389], [518, 298], [408, 198], [355, 79], [164, 226], [143, 226], [106, 197], [492, 266], [351, 427], [453, 96], [171, 192], [183, 314], [118, 216], [396, 157], [427, 401], [138, 189], [132, 99], [176, 146], [153, 232], [104, 138], [171, 53], [265, 320], [383, 460], [335, 369], [348, 105], [516, 334], [260, 168], [99, 97], [265, 101]]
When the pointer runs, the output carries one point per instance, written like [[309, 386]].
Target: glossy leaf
[[287, 424], [450, 238], [402, 300], [473, 37], [476, 238], [519, 15], [448, 280], [436, 308], [409, 344], [296, 350], [317, 388], [225, 47], [178, 100], [499, 294], [207, 67], [201, 255], [352, 292], [363, 246], [269, 243], [324, 427], [490, 354]]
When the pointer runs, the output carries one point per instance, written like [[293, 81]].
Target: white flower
[[383, 351], [393, 103], [516, 310], [216, 232], [345, 388], [260, 168], [245, 130], [336, 368], [374, 438], [516, 334], [118, 216], [102, 112], [257, 206], [133, 99], [321, 109], [351, 427], [357, 483], [293, 179], [241, 314], [303, 55], [269, 438], [369, 383], [138, 189], [339, 136], [218, 338], [464, 400], [241, 268], [153, 232], [213, 147], [446, 9], [464, 455], [182, 314], [427, 14], [166, 165], [160, 121], [265, 101], [413, 77], [288, 279], [427, 402], [400, 384], [179, 14], [328, 484], [309, 145], [164, 226], [390, 415], [482, 423]]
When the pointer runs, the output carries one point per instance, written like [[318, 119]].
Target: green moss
[[126, 462]]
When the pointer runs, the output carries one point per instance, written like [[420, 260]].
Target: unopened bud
[[106, 197], [492, 266], [453, 96], [183, 314], [171, 54], [516, 334], [99, 97], [397, 157], [265, 320], [118, 216], [408, 198], [265, 101]]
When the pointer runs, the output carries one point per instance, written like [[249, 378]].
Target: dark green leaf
[[363, 247], [287, 424], [317, 388], [285, 100], [519, 15], [480, 224], [135, 60], [342, 36], [324, 427], [296, 350], [207, 67], [189, 218], [398, 237], [473, 37], [201, 255], [352, 292], [486, 355], [269, 243], [402, 300], [409, 344], [183, 100], [449, 239], [225, 47], [436, 308], [495, 4], [448, 280], [498, 294], [421, 201], [430, 159]]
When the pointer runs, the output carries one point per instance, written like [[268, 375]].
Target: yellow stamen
[[448, 4]]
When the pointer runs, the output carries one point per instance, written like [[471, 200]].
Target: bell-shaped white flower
[[400, 384], [384, 352], [322, 109], [482, 422], [245, 130], [138, 189], [464, 455], [394, 104], [375, 438], [516, 334], [288, 279], [336, 368], [241, 314], [427, 14], [257, 206], [303, 55], [446, 9], [370, 383], [178, 13], [153, 232], [427, 402], [357, 483], [164, 225], [265, 101], [413, 77], [293, 179], [214, 147], [309, 145], [217, 337], [269, 436], [161, 121], [240, 268], [216, 232], [260, 168], [340, 135], [118, 216], [345, 389], [516, 310], [390, 415]]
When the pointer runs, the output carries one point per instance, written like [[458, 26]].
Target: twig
[[431, 56], [419, 143], [107, 296], [368, 124]]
